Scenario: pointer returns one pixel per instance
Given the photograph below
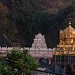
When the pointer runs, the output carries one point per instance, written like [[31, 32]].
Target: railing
[[37, 53]]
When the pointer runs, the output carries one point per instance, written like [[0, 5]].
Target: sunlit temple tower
[[67, 38], [39, 41], [65, 51]]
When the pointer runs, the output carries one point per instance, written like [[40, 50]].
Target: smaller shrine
[[39, 41], [40, 52]]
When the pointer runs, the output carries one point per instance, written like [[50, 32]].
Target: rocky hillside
[[20, 20]]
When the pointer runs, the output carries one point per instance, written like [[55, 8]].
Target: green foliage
[[17, 63], [5, 69]]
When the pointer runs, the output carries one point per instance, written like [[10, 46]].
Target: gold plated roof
[[66, 45], [69, 29], [67, 38]]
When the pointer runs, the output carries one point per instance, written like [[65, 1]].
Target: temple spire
[[39, 41]]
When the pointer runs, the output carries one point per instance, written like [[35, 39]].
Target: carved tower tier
[[39, 41]]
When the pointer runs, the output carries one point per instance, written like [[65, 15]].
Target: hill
[[20, 20]]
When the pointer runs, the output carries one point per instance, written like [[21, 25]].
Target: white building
[[39, 41]]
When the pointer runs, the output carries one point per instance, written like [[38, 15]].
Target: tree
[[17, 63]]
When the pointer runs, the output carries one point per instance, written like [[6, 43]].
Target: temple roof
[[69, 29], [39, 36], [67, 36], [39, 41]]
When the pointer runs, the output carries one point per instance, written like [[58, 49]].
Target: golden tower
[[67, 41]]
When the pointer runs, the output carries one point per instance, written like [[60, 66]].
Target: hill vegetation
[[20, 20]]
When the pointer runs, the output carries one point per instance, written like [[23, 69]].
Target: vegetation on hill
[[25, 18]]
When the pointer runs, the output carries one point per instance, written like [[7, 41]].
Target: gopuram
[[39, 41], [40, 51]]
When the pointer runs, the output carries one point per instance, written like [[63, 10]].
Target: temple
[[40, 52], [65, 51], [39, 41], [67, 38], [67, 41]]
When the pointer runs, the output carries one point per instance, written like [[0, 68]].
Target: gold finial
[[69, 23]]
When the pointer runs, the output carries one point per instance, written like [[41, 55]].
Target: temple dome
[[69, 32], [67, 41], [67, 36], [69, 29]]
